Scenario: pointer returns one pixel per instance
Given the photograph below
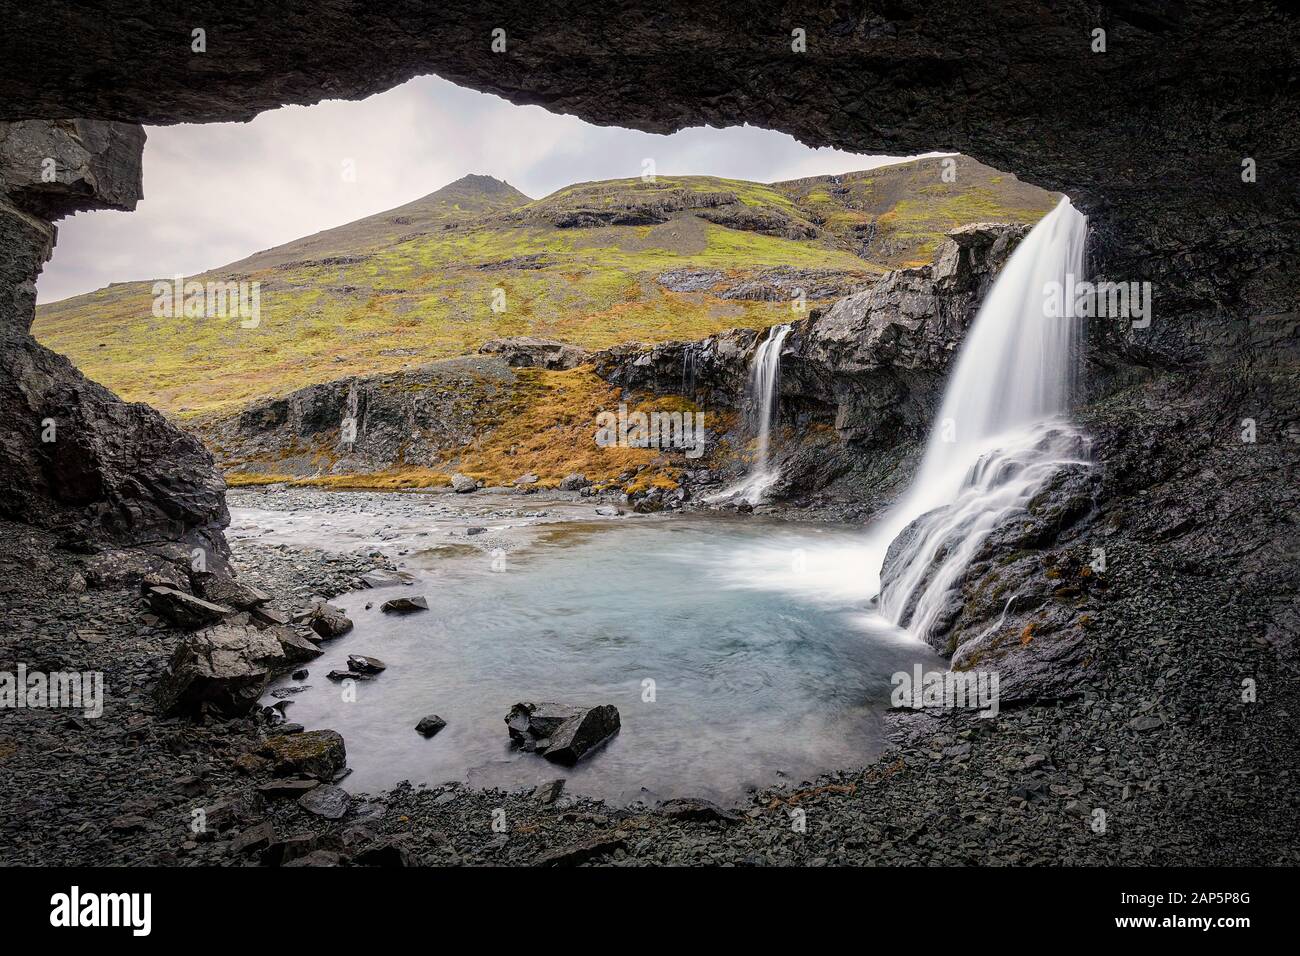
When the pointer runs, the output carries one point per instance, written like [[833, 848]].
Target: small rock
[[329, 621], [692, 808], [365, 665], [430, 725], [405, 605]]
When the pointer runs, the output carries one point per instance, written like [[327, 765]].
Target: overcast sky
[[218, 192]]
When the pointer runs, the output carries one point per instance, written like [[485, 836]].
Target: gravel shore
[[1162, 762]]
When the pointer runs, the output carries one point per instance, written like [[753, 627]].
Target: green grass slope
[[419, 282]]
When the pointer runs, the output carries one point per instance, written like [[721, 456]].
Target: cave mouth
[[1142, 588]]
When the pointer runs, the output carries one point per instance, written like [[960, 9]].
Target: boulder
[[224, 668], [297, 647], [574, 482], [463, 484], [318, 754], [329, 621], [326, 801], [361, 664], [405, 605], [701, 811], [223, 589], [381, 578], [430, 725], [579, 736], [185, 610], [561, 732]]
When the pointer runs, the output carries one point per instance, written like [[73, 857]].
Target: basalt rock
[[224, 669], [185, 610], [72, 455], [562, 733], [317, 754], [529, 352]]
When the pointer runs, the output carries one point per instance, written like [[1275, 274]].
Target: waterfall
[[999, 435], [690, 364], [762, 398]]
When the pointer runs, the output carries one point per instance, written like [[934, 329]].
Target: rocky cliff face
[[859, 381], [72, 455]]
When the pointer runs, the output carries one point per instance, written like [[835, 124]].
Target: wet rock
[[329, 621], [361, 664], [225, 668], [268, 616], [296, 647], [318, 754], [463, 484], [430, 725], [326, 801], [184, 610], [287, 788], [383, 579], [547, 793], [561, 732], [341, 675], [579, 736], [405, 605]]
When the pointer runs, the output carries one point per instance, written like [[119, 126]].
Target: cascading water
[[763, 398], [999, 435]]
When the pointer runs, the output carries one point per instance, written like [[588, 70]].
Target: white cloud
[[218, 192]]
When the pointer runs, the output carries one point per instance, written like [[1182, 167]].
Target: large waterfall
[[999, 435]]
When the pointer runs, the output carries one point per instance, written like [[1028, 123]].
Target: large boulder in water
[[561, 732]]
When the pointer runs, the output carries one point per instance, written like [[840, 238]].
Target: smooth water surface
[[728, 673]]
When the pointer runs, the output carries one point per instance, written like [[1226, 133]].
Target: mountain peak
[[478, 186]]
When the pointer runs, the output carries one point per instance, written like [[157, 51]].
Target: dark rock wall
[[1148, 136], [72, 455]]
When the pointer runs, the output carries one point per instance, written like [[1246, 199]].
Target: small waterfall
[[762, 398], [690, 366], [999, 436]]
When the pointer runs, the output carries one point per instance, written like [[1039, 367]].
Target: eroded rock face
[[860, 381], [1188, 92], [72, 455]]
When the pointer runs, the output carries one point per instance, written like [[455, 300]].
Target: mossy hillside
[[417, 283]]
